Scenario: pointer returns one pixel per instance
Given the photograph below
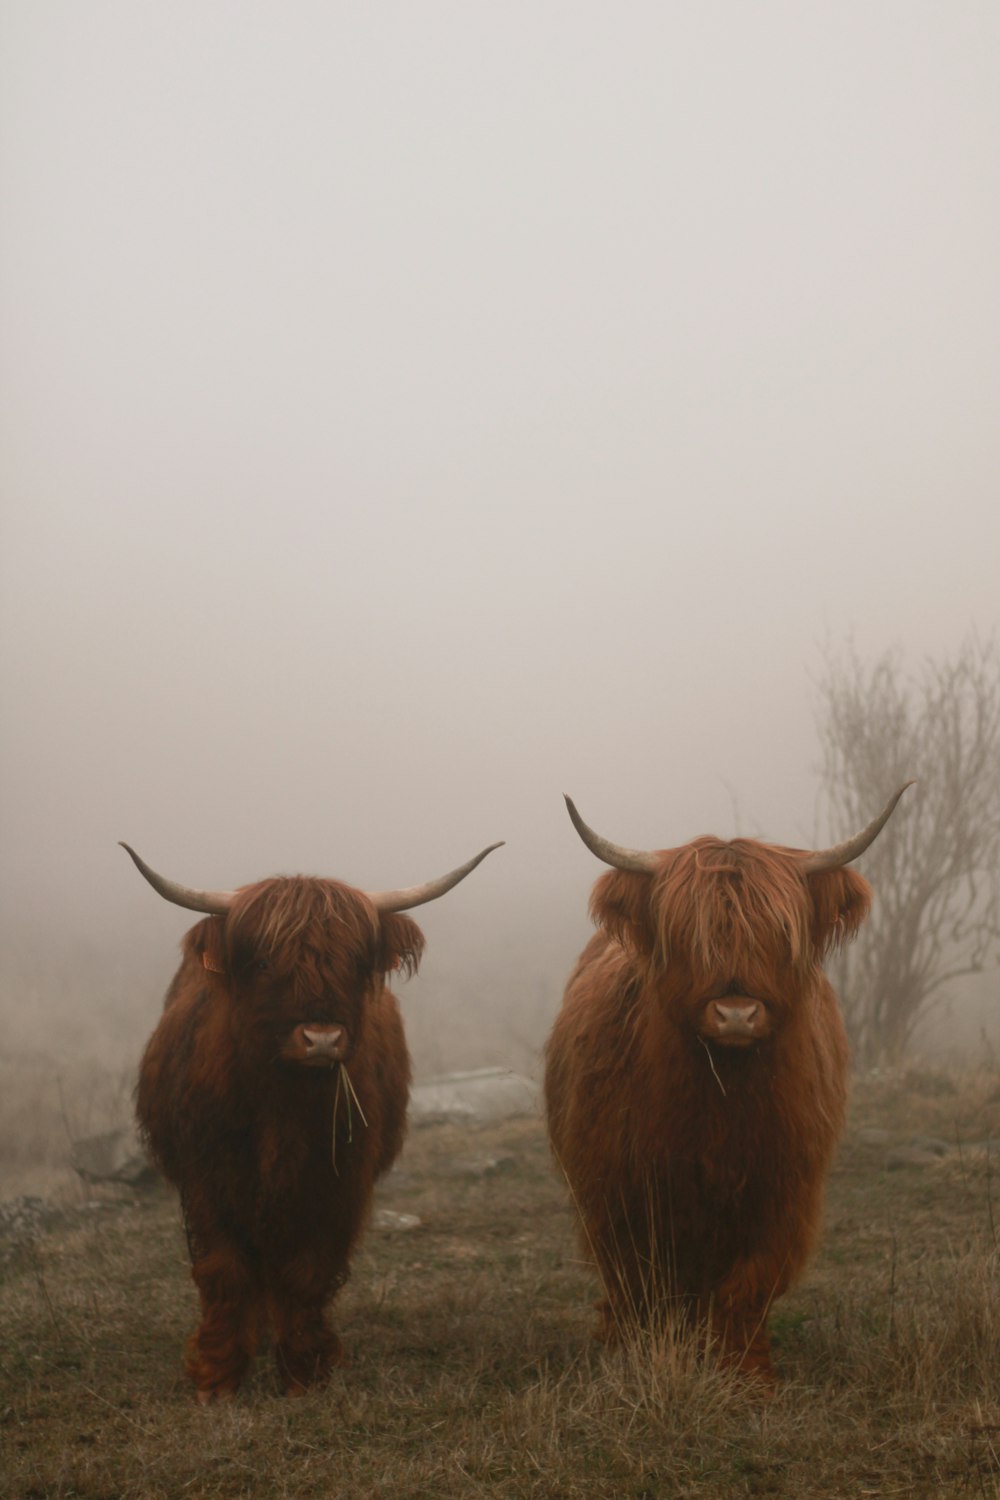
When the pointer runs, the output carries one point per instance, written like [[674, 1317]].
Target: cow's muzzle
[[315, 1044], [735, 1021]]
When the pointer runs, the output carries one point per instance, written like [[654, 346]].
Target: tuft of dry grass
[[953, 1101], [474, 1373]]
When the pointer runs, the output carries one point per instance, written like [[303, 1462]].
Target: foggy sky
[[411, 412]]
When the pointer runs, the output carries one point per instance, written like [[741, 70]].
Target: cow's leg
[[635, 1276], [223, 1344], [740, 1335], [769, 1261], [306, 1346], [739, 1311]]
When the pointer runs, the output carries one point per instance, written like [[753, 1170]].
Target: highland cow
[[696, 1077], [272, 1094]]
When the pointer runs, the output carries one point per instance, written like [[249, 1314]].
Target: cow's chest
[[727, 1178], [727, 1167], [296, 1156]]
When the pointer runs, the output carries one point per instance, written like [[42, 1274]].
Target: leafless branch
[[937, 875]]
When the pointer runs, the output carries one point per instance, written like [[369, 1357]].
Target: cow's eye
[[259, 966]]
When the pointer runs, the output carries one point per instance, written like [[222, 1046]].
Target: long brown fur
[[698, 1171], [247, 1137]]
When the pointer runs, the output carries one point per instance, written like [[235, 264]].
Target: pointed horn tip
[[851, 849], [638, 861], [136, 859], [477, 858], [896, 795], [574, 816]]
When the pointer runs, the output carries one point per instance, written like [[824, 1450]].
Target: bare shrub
[[936, 874]]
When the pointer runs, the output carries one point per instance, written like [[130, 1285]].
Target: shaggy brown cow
[[696, 1076], [273, 1093]]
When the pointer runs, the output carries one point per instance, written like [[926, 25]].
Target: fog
[[413, 412]]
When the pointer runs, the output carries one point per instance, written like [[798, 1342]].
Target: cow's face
[[299, 958], [732, 934]]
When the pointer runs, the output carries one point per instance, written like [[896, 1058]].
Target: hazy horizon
[[409, 414]]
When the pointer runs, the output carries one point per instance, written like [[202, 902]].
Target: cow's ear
[[619, 903], [204, 943], [401, 944], [841, 899]]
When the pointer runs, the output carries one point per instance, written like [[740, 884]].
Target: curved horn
[[843, 854], [214, 903], [640, 861], [418, 895]]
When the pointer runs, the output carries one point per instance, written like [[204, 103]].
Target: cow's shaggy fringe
[[736, 907], [275, 917]]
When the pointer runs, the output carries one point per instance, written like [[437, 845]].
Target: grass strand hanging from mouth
[[354, 1096], [350, 1093], [711, 1064]]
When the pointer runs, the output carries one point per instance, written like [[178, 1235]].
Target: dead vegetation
[[473, 1371]]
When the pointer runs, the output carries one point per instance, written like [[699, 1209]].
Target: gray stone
[[114, 1156], [23, 1218], [482, 1096], [873, 1135], [391, 1222], [933, 1144], [474, 1166], [909, 1156]]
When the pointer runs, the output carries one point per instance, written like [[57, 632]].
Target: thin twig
[[354, 1096], [336, 1103], [711, 1064], [350, 1094]]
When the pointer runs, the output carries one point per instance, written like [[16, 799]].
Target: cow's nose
[[324, 1043], [736, 1018]]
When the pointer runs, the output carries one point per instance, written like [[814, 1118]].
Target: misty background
[[411, 412]]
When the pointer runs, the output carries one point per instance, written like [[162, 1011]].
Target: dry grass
[[474, 1374]]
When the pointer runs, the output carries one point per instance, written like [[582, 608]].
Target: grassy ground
[[473, 1373]]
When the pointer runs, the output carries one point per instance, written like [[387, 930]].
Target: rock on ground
[[482, 1096]]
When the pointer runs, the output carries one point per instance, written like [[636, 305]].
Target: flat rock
[[26, 1219], [474, 1166], [910, 1156], [873, 1135], [23, 1219], [482, 1096], [932, 1143], [114, 1156], [390, 1222]]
